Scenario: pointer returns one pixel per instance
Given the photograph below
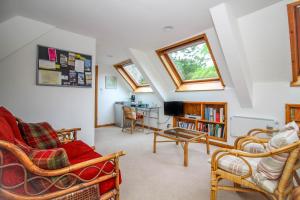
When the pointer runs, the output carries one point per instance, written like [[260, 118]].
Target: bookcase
[[210, 117], [292, 113]]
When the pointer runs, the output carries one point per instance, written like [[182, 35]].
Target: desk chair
[[132, 117]]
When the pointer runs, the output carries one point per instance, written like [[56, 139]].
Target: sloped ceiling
[[120, 25]]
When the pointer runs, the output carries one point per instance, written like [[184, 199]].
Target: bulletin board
[[56, 67]]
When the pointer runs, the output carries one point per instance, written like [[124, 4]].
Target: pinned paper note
[[71, 60], [87, 65], [46, 64], [49, 77], [80, 79], [79, 66], [52, 54], [63, 60]]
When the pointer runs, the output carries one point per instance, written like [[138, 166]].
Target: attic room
[[151, 100]]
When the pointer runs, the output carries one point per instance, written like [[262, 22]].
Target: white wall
[[265, 36], [108, 97], [60, 106]]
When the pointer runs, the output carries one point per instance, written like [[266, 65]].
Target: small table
[[182, 136]]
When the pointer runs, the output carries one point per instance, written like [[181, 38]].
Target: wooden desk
[[182, 136]]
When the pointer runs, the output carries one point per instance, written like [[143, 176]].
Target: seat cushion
[[237, 166], [12, 122], [93, 171], [39, 135], [76, 148]]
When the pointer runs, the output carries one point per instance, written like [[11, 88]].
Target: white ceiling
[[122, 24]]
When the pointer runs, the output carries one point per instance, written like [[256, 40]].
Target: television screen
[[173, 108]]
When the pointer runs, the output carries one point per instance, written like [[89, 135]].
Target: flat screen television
[[173, 108]]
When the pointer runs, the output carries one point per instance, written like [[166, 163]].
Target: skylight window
[[191, 65], [133, 76]]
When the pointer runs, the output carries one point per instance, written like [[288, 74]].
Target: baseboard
[[105, 125]]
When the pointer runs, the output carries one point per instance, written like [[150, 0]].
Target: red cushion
[[6, 133], [39, 135], [51, 159], [76, 148], [12, 122], [92, 172]]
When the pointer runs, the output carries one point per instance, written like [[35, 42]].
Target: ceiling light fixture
[[168, 28]]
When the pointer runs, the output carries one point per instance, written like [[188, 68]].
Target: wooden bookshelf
[[208, 118], [292, 113]]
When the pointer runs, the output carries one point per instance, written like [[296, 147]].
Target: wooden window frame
[[190, 85], [129, 79], [294, 42]]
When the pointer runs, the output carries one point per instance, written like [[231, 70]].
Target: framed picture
[[110, 82]]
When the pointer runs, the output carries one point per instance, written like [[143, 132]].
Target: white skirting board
[[240, 125]]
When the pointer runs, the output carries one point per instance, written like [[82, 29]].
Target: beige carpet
[[160, 176]]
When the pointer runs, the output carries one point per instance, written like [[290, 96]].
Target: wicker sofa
[[88, 175]]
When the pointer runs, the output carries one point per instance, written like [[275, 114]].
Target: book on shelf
[[216, 130], [186, 125], [214, 114], [292, 114]]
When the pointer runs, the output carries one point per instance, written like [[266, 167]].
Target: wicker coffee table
[[182, 136]]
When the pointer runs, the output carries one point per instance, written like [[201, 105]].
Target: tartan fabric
[[11, 121], [47, 159], [51, 159], [24, 147], [39, 135]]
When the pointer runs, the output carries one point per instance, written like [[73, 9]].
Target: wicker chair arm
[[30, 166], [257, 131]]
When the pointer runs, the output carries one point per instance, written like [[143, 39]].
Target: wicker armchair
[[281, 188]]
